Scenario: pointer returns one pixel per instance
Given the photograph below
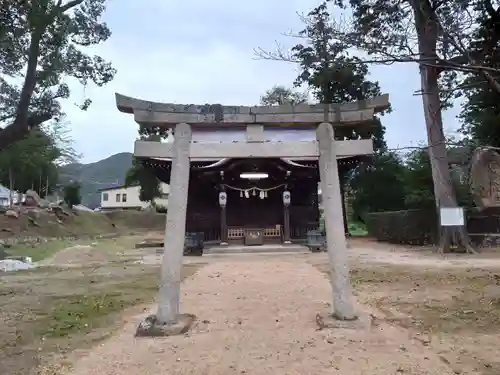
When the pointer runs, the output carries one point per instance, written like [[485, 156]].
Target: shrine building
[[254, 172]]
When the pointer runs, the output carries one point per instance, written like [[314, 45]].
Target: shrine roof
[[166, 115], [220, 164]]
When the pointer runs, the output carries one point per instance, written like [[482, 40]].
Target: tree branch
[[69, 5]]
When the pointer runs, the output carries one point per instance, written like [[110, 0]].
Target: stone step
[[233, 249]]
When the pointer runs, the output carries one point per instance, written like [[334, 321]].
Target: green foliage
[[378, 185], [279, 95], [72, 194], [161, 209], [146, 178], [390, 183], [332, 75], [43, 43], [447, 33], [480, 113], [419, 185], [357, 229], [29, 163]]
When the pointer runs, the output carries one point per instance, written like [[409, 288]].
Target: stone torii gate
[[186, 119]]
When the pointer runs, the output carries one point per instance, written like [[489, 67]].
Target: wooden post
[[344, 211], [286, 226], [223, 226], [11, 188]]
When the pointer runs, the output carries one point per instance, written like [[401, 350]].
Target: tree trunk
[[22, 122], [451, 238], [11, 187]]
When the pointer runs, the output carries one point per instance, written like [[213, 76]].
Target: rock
[[32, 199], [14, 265], [12, 213], [59, 211], [33, 221], [33, 213], [150, 327]]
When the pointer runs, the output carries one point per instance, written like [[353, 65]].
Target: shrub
[[412, 227], [72, 194], [161, 209]]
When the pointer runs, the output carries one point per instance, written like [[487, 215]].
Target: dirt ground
[[419, 314], [71, 303], [257, 315]]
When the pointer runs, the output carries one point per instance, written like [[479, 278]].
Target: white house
[[5, 196], [127, 198]]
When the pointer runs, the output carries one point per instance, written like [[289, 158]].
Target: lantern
[[222, 198], [286, 198]]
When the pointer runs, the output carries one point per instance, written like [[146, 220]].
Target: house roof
[[117, 187]]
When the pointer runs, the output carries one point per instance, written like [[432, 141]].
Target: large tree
[[437, 35], [330, 73], [40, 44], [481, 106]]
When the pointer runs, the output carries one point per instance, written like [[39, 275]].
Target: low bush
[[411, 227], [420, 227], [161, 209]]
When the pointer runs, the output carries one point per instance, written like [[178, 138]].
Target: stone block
[[150, 327]]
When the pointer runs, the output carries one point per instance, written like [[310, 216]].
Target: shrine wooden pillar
[[223, 215], [342, 195], [286, 224]]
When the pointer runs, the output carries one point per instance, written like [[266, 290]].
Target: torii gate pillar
[[334, 223]]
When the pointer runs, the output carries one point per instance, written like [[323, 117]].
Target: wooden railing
[[238, 233], [273, 232], [235, 233]]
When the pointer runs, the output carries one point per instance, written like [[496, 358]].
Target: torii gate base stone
[[167, 321]]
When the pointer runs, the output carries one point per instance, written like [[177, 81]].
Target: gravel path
[[257, 316]]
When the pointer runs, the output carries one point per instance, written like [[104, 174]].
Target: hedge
[[411, 227], [420, 227]]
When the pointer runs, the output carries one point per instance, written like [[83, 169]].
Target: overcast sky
[[199, 52]]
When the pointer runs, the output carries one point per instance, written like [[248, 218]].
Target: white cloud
[[202, 52]]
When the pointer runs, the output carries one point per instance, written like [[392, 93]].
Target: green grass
[[52, 311], [357, 229], [83, 313], [46, 250]]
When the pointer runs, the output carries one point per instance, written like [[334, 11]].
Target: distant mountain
[[94, 176]]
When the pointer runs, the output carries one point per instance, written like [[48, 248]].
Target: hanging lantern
[[247, 195], [254, 192], [222, 198], [261, 195], [286, 198]]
